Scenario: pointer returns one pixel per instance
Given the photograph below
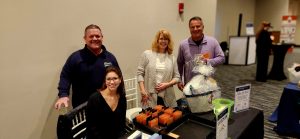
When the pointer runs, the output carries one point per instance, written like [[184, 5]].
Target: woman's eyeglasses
[[111, 79]]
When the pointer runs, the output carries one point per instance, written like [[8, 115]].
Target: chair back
[[131, 93], [73, 124]]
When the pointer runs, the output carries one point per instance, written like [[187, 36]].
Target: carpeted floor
[[264, 95]]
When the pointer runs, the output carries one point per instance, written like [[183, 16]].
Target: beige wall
[[295, 10], [272, 11], [254, 11], [37, 36], [227, 17]]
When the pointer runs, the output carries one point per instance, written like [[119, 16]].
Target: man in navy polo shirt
[[84, 70]]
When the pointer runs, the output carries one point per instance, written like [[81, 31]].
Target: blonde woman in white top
[[157, 72]]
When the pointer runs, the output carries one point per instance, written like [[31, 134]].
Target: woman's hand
[[162, 86], [180, 86], [145, 98]]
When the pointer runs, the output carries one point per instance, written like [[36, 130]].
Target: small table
[[244, 124], [248, 124], [288, 122], [279, 52]]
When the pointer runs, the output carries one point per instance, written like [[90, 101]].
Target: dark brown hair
[[91, 26], [116, 70], [261, 28], [195, 18]]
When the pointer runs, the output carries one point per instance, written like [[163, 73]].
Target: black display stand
[[279, 52], [248, 124]]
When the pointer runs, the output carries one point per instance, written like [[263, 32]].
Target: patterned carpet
[[264, 95]]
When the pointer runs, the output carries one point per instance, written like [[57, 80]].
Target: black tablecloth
[[279, 52], [248, 124]]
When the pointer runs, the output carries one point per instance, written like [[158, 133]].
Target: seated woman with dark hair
[[106, 108]]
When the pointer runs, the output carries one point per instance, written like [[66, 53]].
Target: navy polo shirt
[[85, 72]]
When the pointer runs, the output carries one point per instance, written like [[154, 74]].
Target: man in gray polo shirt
[[197, 44]]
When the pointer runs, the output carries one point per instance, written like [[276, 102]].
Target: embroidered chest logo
[[107, 64]]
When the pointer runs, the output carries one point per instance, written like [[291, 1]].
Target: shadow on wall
[[49, 129], [46, 127]]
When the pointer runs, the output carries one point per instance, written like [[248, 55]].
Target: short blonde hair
[[166, 34]]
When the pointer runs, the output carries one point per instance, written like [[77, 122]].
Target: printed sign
[[222, 124], [249, 29], [242, 97], [288, 29]]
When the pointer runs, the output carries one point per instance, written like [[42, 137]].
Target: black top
[[263, 42], [85, 72], [102, 122]]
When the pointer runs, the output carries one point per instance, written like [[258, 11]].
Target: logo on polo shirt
[[107, 64]]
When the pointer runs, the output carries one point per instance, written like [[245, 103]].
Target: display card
[[242, 97], [222, 124]]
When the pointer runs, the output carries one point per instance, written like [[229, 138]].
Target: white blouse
[[160, 67]]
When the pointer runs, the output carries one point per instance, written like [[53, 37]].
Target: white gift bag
[[294, 76]]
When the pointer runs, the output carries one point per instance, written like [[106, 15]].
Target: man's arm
[[64, 85], [218, 57], [180, 65]]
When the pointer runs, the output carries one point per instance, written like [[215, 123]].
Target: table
[[288, 116], [242, 125], [279, 52], [252, 121], [242, 50], [245, 124]]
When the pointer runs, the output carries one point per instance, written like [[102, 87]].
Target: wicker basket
[[202, 102]]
